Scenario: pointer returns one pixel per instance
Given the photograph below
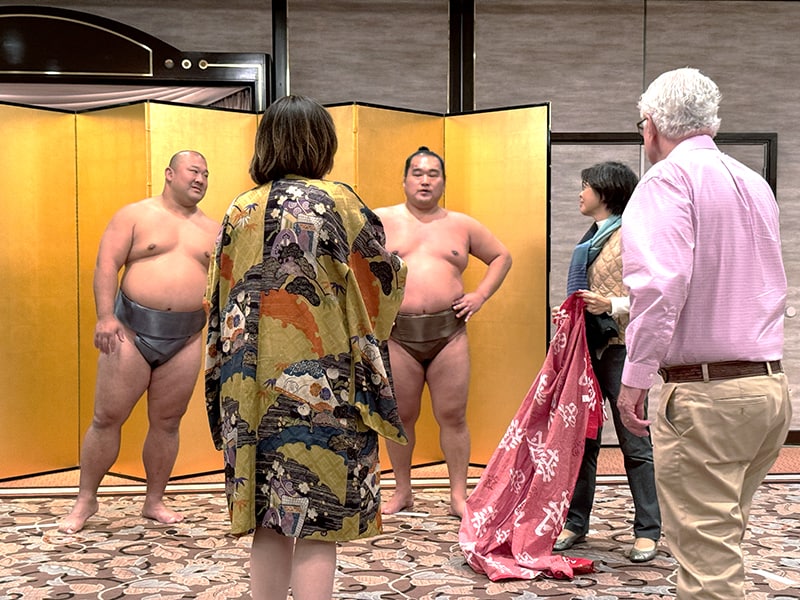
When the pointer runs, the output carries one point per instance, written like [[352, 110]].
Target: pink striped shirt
[[701, 255]]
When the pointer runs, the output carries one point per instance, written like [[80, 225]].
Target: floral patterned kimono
[[302, 294]]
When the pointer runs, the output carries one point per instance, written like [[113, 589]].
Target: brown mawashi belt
[[720, 370]]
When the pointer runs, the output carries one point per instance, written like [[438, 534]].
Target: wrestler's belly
[[177, 285], [431, 290]]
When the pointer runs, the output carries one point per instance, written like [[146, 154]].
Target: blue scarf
[[586, 251]]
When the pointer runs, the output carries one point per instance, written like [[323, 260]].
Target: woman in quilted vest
[[596, 275]]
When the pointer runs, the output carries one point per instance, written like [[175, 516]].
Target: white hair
[[682, 103]]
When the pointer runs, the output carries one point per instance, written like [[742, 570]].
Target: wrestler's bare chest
[[437, 240], [172, 236]]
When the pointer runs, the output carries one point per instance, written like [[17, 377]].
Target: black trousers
[[638, 459]]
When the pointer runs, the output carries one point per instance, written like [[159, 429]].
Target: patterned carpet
[[120, 554]]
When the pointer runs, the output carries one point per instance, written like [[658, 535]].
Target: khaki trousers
[[714, 442]]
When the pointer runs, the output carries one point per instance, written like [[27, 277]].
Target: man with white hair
[[702, 259]]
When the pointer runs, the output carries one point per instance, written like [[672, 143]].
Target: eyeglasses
[[640, 125]]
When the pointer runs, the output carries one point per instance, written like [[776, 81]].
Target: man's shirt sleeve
[[657, 259]]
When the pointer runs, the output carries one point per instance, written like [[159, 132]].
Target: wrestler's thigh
[[408, 377], [172, 384], [448, 378], [122, 377]]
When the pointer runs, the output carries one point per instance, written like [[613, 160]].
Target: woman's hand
[[595, 303]]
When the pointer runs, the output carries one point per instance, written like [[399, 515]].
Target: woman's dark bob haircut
[[296, 136], [613, 181]]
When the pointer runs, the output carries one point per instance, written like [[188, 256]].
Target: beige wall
[[598, 62]]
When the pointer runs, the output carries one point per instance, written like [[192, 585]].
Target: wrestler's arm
[[111, 257], [486, 247]]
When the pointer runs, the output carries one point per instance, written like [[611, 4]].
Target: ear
[[659, 146]]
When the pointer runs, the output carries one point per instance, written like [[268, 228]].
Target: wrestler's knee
[[109, 415], [449, 408], [166, 411], [451, 417], [165, 422]]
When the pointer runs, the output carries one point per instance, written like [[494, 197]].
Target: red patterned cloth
[[520, 504]]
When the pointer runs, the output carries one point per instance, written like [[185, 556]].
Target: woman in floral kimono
[[302, 295]]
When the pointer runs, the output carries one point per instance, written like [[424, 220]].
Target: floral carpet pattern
[[122, 555]]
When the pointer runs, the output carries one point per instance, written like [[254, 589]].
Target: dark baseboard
[[793, 438]]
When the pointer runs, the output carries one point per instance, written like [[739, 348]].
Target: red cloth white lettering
[[520, 504]]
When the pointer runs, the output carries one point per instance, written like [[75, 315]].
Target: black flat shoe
[[643, 555], [567, 539]]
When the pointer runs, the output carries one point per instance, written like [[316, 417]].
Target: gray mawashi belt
[[158, 323]]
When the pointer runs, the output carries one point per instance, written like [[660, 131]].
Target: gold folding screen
[[122, 154], [373, 145], [497, 170], [38, 303], [64, 175]]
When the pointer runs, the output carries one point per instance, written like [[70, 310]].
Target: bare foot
[[75, 520], [398, 502], [457, 507], [159, 512]]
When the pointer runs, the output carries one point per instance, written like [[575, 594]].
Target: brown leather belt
[[720, 370]]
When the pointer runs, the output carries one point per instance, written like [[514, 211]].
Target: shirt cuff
[[638, 376], [620, 305]]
